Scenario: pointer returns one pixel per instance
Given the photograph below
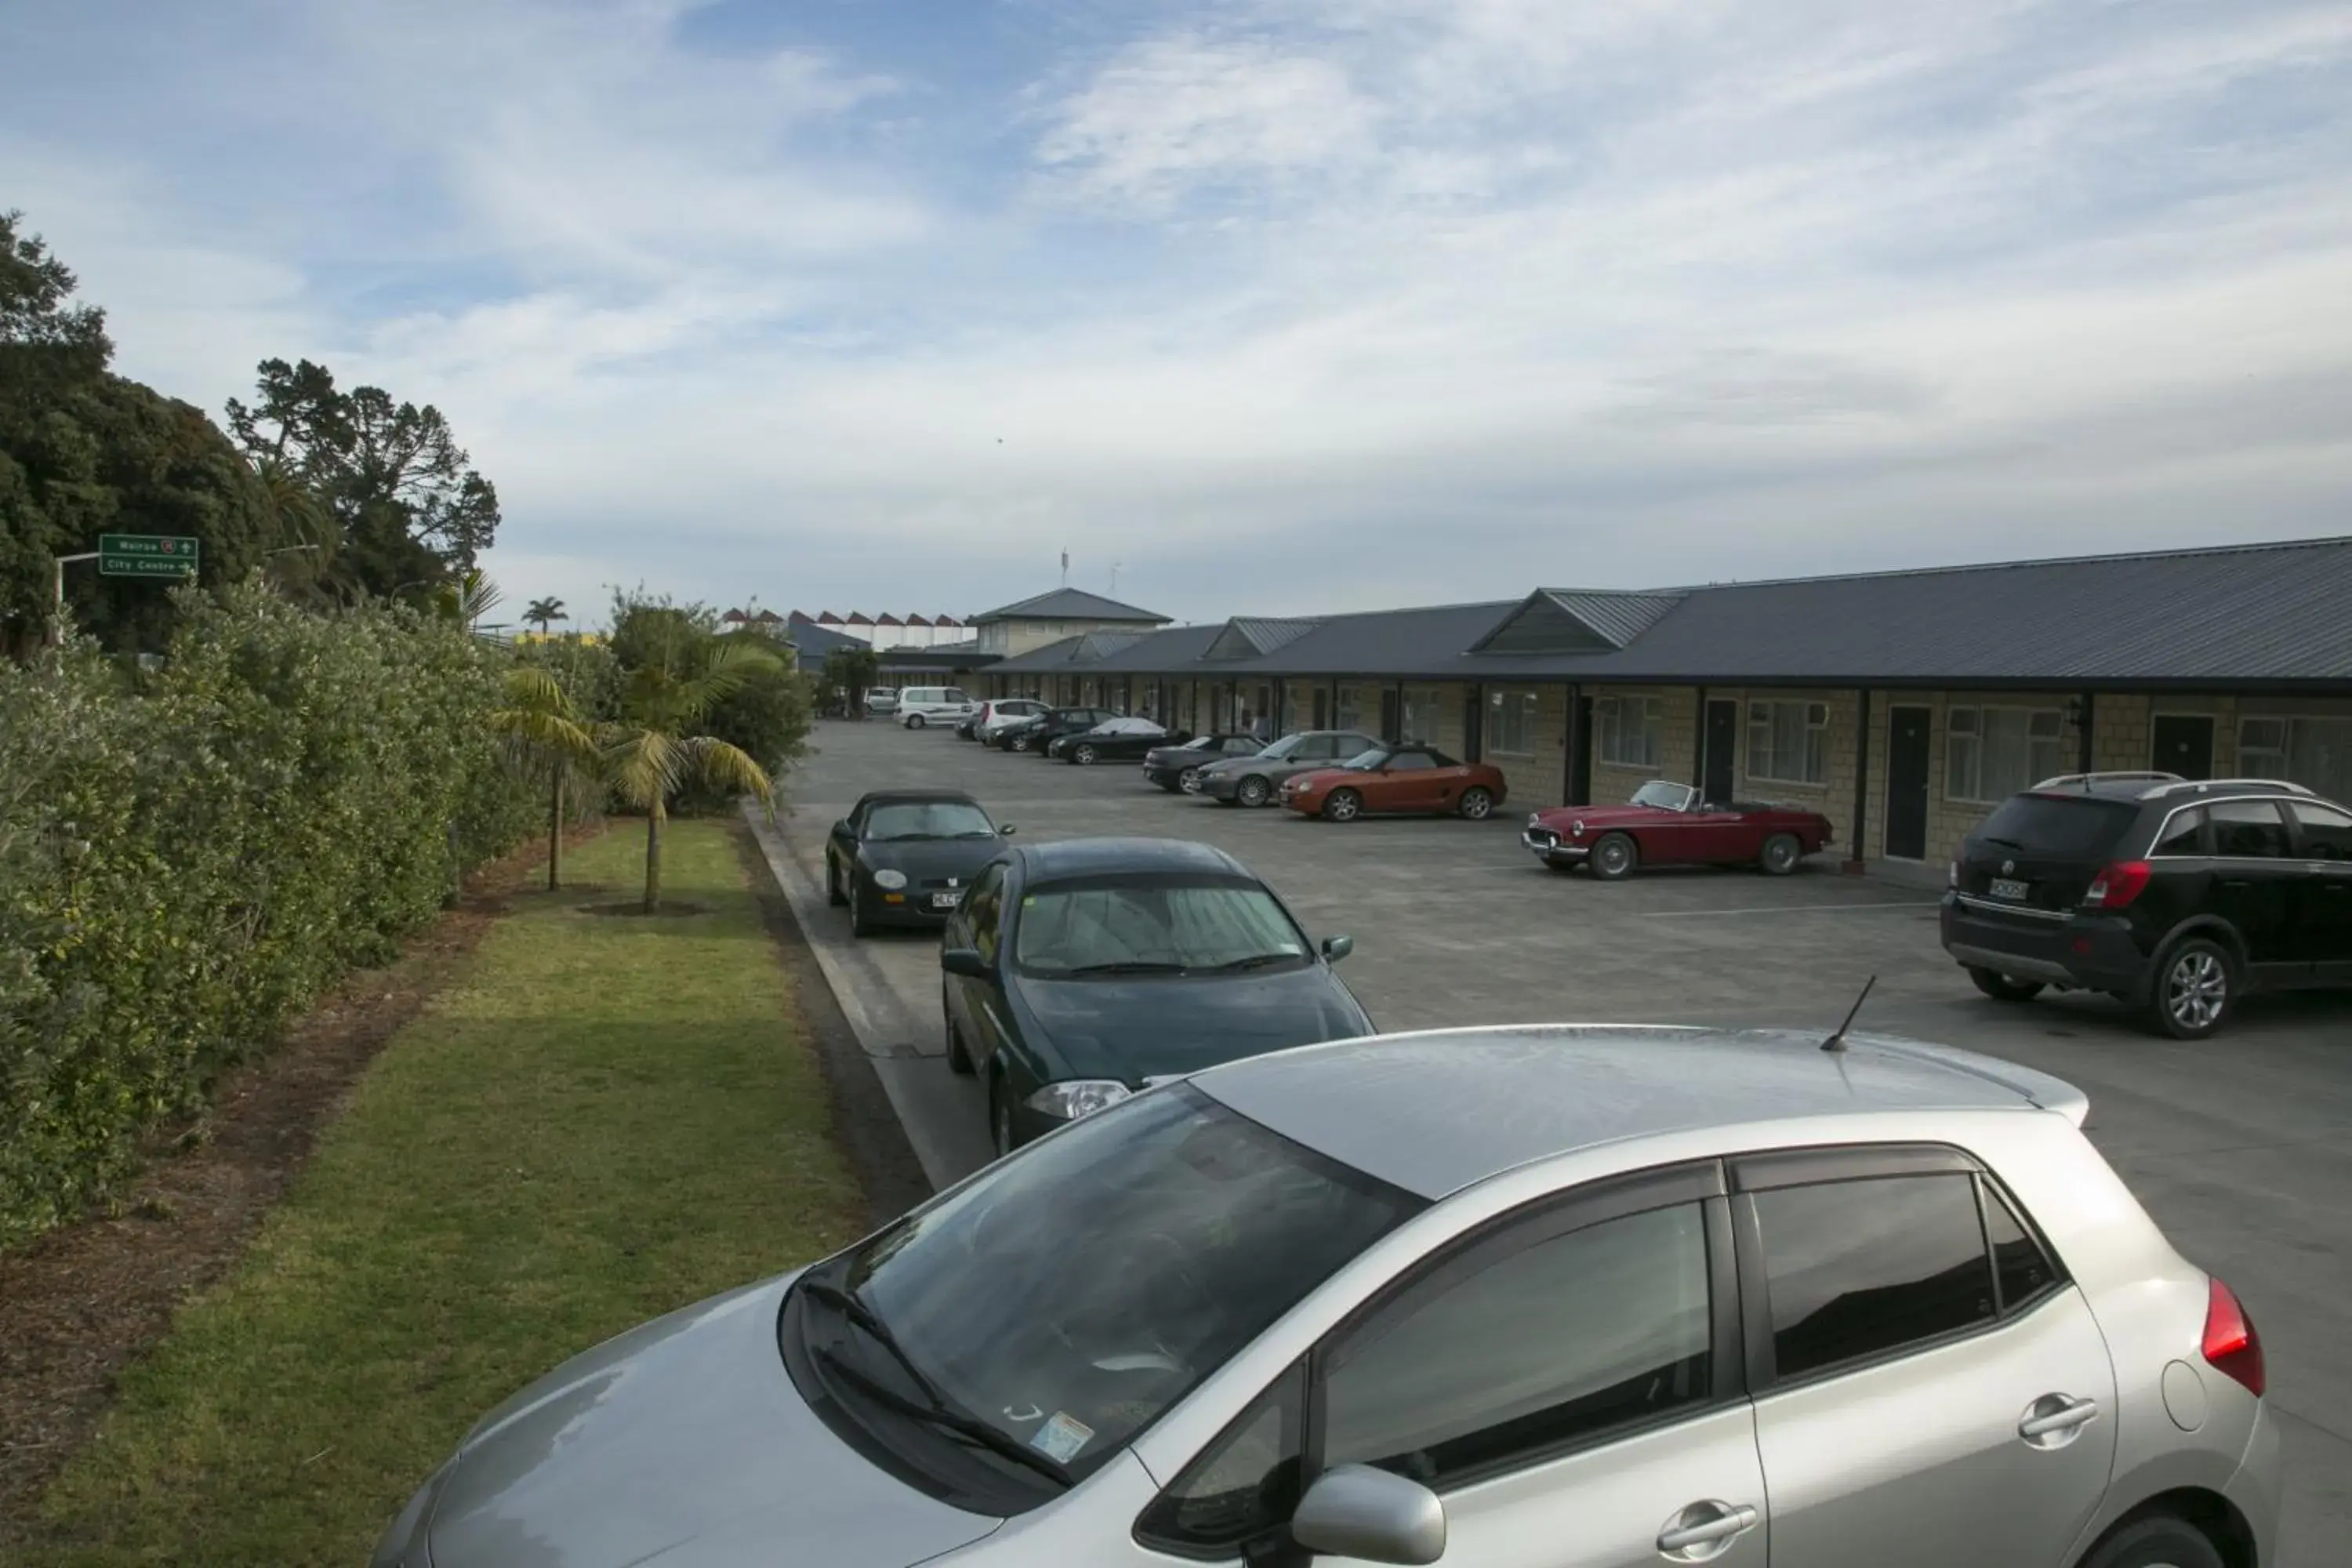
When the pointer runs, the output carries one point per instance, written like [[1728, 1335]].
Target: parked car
[[907, 856], [1431, 1298], [1171, 767], [1079, 970], [881, 701], [1394, 780], [1114, 739], [1671, 825], [1256, 778], [1008, 713], [1042, 731], [2177, 898], [993, 709], [920, 706]]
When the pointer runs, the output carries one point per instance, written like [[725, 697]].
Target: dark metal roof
[[1253, 637], [1070, 604], [1384, 642], [1142, 652], [811, 642], [1577, 620]]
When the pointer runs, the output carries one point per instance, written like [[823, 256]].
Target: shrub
[[188, 856]]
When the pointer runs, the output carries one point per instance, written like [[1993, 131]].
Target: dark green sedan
[[1077, 973]]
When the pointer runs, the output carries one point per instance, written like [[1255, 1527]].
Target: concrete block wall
[[1611, 783], [1834, 795], [1536, 777]]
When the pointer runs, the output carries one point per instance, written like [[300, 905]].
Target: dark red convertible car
[[1670, 825]]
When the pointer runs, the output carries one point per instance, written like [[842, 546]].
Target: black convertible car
[[905, 856], [1166, 765], [1078, 972], [1121, 739]]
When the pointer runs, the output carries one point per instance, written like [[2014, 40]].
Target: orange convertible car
[[1410, 778]]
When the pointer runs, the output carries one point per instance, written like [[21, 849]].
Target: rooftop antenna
[[1066, 568], [1114, 575], [1837, 1042]]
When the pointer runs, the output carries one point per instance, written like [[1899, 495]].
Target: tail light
[[1952, 874], [2231, 1347], [2118, 885]]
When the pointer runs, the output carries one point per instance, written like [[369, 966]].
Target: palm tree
[[465, 599], [544, 613], [538, 722], [650, 753]]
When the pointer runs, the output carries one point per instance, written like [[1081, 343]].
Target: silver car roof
[[1435, 1112]]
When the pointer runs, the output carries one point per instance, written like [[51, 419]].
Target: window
[[2022, 1268], [1347, 707], [2312, 752], [2249, 830], [1103, 926], [1511, 722], [2073, 827], [1410, 762], [1632, 731], [926, 819], [1556, 1342], [1855, 1270], [983, 911], [1990, 753], [2183, 835], [2326, 832], [1245, 1485], [1788, 743], [1419, 714]]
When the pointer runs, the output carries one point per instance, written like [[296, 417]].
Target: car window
[[955, 694], [2184, 834], [1244, 1484], [1241, 746], [911, 820], [2326, 832], [1410, 762], [1564, 1339], [2072, 827], [2022, 1268], [1857, 1269], [983, 910], [2249, 830], [1371, 757], [1103, 925], [1439, 758]]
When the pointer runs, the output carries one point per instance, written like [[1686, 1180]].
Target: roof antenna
[[1837, 1042]]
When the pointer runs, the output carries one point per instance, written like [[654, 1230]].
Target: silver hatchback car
[[1552, 1297]]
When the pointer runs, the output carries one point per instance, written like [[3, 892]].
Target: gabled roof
[[827, 618], [945, 621], [1070, 604], [734, 617], [1244, 638], [918, 621], [769, 618], [1577, 620], [859, 618], [887, 619], [813, 641]]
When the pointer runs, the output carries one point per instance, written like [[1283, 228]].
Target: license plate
[[946, 900], [2003, 888]]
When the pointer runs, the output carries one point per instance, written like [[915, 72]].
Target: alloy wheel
[[1252, 791], [1476, 805], [1342, 807], [1613, 855], [2196, 988]]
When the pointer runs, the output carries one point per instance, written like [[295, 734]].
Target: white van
[[921, 705]]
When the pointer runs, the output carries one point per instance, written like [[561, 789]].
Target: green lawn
[[611, 1116]]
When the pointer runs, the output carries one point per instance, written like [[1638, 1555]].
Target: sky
[[1269, 307]]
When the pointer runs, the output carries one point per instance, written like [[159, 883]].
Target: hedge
[[189, 856]]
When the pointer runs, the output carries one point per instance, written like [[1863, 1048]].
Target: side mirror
[[1006, 831], [841, 828], [965, 962], [1371, 1515], [1336, 948]]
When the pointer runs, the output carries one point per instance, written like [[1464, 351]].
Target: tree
[[541, 722], [850, 670], [675, 672], [465, 599], [544, 613], [408, 507]]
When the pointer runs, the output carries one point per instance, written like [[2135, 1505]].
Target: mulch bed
[[78, 1305]]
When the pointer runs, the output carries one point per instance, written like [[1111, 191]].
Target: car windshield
[[1663, 796], [1366, 761], [1068, 1297], [928, 819], [1288, 746], [1168, 924]]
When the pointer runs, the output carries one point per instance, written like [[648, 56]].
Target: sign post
[[146, 555]]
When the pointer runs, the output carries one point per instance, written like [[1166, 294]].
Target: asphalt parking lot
[[2242, 1147]]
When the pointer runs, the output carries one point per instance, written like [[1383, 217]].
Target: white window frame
[[2260, 761], [1763, 717], [1976, 794], [1609, 722], [1523, 701], [1346, 705]]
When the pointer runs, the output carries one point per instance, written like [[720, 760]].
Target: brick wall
[[1535, 776], [1613, 783]]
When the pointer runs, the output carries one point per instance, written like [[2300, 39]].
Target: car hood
[[1325, 776], [681, 1444], [1170, 756], [1153, 1027], [922, 859], [1560, 817]]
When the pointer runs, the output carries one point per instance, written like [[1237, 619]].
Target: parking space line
[[1784, 910]]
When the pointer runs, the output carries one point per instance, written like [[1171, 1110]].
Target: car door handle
[[1713, 1521], [2056, 1413]]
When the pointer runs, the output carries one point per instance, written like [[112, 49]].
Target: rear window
[[2067, 826]]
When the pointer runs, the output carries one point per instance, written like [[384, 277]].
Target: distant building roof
[[887, 619], [1253, 638], [734, 617], [769, 617], [945, 621], [1070, 604], [827, 618], [917, 621], [859, 618]]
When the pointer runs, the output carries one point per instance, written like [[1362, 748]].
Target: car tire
[[833, 894], [2000, 987], [914, 720], [1614, 856], [1000, 1134], [1342, 806], [2196, 988], [1252, 791], [1084, 756], [2159, 1541], [1780, 854], [1018, 743], [1477, 803], [958, 1059], [1188, 782]]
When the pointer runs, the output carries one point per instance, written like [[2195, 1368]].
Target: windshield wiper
[[1996, 838], [907, 837], [1254, 960], [851, 1305], [946, 1418], [1128, 966]]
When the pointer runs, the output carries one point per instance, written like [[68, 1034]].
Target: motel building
[[1904, 705]]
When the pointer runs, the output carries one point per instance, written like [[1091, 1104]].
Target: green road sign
[[146, 555]]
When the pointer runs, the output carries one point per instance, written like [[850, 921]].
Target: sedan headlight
[[1078, 1097], [889, 881]]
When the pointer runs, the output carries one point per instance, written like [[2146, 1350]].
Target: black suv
[[1035, 735], [2177, 896]]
